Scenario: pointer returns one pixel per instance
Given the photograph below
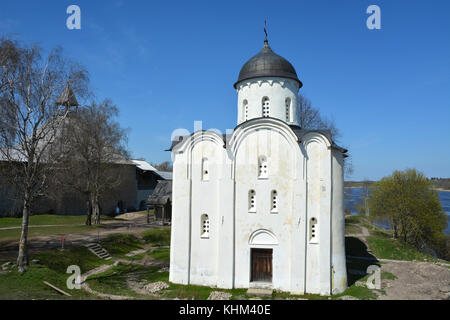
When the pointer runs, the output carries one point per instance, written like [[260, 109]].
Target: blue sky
[[168, 63]]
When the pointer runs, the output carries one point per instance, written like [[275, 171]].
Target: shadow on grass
[[358, 259]]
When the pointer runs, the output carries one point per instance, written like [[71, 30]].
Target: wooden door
[[261, 262]]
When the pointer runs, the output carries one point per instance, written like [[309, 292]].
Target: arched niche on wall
[[263, 237]]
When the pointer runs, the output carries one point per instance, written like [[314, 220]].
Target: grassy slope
[[157, 237], [160, 254], [118, 245], [52, 269], [383, 246]]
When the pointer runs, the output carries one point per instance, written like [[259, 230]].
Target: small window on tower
[[288, 110], [274, 202], [205, 169], [204, 228], [245, 108], [251, 201], [313, 231], [262, 168], [265, 107]]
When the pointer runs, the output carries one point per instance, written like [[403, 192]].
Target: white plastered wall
[[276, 89]]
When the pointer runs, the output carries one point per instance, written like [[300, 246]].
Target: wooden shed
[[161, 199]]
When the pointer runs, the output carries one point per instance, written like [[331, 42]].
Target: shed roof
[[143, 165], [162, 193]]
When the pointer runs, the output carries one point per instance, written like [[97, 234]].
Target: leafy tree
[[408, 201]]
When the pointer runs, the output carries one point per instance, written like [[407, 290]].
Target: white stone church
[[262, 206]]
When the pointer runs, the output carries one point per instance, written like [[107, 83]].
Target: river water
[[353, 199]]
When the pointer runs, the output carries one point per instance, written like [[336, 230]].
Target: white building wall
[[318, 264], [276, 89], [339, 269], [205, 195], [281, 159], [304, 176], [181, 219]]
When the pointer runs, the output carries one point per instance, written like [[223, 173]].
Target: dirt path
[[416, 281], [98, 270], [43, 226]]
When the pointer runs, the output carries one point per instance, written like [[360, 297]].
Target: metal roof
[[162, 193], [143, 165], [166, 175], [267, 64]]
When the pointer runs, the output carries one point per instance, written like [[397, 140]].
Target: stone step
[[259, 292], [98, 250]]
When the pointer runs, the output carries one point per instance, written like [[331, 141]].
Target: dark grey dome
[[267, 64]]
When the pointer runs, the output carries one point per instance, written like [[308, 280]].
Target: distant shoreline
[[437, 189], [441, 189]]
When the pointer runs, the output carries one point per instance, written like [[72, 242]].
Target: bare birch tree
[[30, 85]]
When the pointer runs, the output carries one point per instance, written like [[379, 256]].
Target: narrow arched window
[[313, 230], [245, 109], [204, 227], [274, 201], [205, 169], [288, 110], [252, 201], [263, 171], [265, 107]]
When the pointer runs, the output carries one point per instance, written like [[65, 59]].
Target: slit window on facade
[[205, 169], [313, 231], [252, 201], [265, 107], [288, 110], [274, 201], [245, 108], [204, 226], [263, 171]]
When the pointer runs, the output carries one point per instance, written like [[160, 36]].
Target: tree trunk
[[89, 213], [394, 225], [22, 259], [96, 210]]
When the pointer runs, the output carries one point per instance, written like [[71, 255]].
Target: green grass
[[152, 275], [352, 229], [113, 281], [120, 244], [355, 219], [386, 248], [52, 269], [361, 293], [388, 276], [157, 237], [16, 286], [160, 254], [58, 260], [187, 291]]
